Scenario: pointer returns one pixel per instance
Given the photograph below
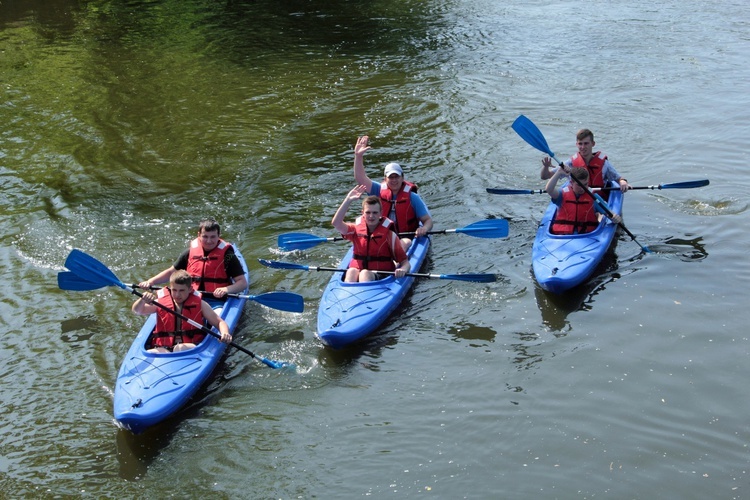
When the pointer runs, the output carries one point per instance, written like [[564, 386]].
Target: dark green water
[[124, 123]]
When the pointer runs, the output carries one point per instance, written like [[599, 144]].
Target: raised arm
[[546, 172], [338, 218], [551, 186], [360, 176]]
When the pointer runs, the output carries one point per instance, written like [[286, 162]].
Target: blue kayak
[[151, 387], [350, 311], [561, 262]]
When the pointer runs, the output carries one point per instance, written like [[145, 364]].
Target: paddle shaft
[[489, 228], [479, 278], [673, 185], [337, 270]]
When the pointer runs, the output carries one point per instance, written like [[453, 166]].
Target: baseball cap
[[393, 168]]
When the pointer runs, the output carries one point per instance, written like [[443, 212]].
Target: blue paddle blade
[[89, 269], [298, 241], [283, 301], [684, 185], [489, 228], [531, 134], [68, 280]]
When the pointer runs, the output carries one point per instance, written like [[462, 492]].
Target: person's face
[[209, 239], [394, 182], [585, 146], [179, 292], [577, 189], [371, 213]]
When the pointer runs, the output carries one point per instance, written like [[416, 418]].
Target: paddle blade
[[476, 278], [275, 264], [283, 301], [298, 241], [89, 269], [488, 228], [68, 280], [269, 362], [685, 185], [531, 134], [514, 191]]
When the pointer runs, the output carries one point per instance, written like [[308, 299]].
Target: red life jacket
[[595, 168], [375, 251], [167, 332], [406, 217], [208, 271], [574, 215]]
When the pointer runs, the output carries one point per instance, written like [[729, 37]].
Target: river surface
[[125, 122]]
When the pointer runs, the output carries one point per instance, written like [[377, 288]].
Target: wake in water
[[682, 249]]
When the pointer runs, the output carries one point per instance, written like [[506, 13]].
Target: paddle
[[533, 136], [67, 280], [283, 301], [89, 269], [674, 185], [489, 228], [478, 278]]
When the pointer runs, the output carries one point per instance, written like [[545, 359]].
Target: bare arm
[[338, 218], [162, 277], [144, 305], [240, 283], [214, 320], [360, 176], [426, 226]]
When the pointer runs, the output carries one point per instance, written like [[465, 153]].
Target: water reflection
[[338, 361], [469, 331]]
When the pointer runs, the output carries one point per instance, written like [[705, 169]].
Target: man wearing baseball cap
[[399, 198]]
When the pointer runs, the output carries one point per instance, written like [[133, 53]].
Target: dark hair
[[181, 277], [583, 133], [209, 225], [580, 173], [372, 200]]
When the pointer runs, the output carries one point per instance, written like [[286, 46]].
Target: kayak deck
[[561, 262], [152, 386], [351, 311]]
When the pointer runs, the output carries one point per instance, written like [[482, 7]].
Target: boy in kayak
[[399, 199], [211, 262], [577, 212], [599, 167], [172, 333], [376, 245]]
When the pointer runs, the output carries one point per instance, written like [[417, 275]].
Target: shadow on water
[[136, 452]]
